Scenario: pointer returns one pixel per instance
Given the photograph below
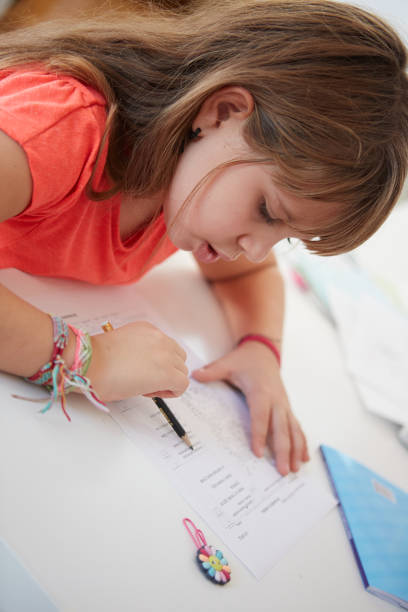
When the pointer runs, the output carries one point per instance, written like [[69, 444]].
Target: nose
[[255, 249]]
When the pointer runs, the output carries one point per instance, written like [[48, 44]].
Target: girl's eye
[[264, 212]]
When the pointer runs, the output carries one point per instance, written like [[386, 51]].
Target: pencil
[[162, 406], [172, 420]]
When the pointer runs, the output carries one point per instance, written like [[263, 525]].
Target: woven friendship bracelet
[[264, 340], [60, 332], [75, 376], [60, 380]]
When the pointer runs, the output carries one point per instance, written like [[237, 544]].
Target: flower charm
[[210, 560], [213, 564]]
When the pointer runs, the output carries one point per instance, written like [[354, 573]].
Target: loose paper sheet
[[372, 323], [252, 508], [375, 339]]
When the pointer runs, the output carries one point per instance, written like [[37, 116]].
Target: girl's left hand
[[254, 369]]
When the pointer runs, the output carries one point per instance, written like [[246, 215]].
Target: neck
[[136, 213]]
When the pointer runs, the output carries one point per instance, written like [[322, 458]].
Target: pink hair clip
[[210, 560]]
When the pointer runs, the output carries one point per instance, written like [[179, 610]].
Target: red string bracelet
[[264, 340]]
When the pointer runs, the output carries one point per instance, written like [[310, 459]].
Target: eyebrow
[[287, 217]]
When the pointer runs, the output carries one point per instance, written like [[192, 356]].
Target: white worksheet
[[252, 508]]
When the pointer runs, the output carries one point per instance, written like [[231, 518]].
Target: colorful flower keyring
[[210, 560]]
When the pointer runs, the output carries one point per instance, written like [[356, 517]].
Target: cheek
[[172, 204], [182, 185], [223, 203]]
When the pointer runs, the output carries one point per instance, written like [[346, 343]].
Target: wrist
[[67, 368], [68, 354], [265, 340], [95, 368]]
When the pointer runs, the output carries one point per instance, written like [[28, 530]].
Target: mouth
[[206, 253]]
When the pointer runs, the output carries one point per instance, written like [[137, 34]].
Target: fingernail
[[285, 469]]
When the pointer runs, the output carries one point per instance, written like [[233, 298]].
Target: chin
[[178, 241]]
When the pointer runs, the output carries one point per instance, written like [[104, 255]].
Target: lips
[[206, 253]]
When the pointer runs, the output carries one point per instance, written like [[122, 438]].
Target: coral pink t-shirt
[[59, 123]]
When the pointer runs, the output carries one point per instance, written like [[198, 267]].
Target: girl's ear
[[228, 103]]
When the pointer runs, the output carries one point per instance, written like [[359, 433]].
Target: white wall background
[[4, 5], [395, 12]]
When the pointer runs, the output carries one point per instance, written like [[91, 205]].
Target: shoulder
[[15, 178], [37, 82], [32, 100], [51, 128]]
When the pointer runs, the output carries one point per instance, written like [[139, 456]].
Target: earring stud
[[194, 133]]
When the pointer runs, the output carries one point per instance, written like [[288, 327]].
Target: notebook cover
[[375, 515], [19, 590]]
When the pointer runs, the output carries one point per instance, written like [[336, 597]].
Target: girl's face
[[239, 210]]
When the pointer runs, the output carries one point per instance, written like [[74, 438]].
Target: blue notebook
[[19, 591], [375, 516]]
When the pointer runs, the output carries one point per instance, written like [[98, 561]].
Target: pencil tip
[[188, 441]]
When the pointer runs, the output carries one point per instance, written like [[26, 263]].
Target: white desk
[[99, 526]]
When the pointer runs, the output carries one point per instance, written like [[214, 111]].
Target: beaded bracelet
[[264, 340], [57, 377]]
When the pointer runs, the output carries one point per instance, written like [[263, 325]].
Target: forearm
[[254, 303], [26, 337], [251, 295]]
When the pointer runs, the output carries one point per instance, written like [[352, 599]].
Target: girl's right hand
[[137, 359]]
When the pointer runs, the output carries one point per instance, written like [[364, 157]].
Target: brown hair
[[328, 81]]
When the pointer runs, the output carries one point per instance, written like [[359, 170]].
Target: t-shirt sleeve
[[59, 122]]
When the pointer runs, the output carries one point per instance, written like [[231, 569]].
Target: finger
[[167, 361], [281, 440], [179, 383], [212, 371], [178, 387], [305, 455], [176, 348], [304, 451], [165, 393], [298, 443], [260, 416], [269, 437], [181, 367]]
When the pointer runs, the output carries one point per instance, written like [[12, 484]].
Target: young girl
[[220, 131]]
